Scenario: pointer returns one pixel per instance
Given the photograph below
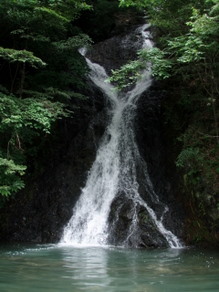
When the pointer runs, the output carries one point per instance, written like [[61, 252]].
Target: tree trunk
[[23, 75]]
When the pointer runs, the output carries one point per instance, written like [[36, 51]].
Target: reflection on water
[[62, 268]]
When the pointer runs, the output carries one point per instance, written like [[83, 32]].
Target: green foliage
[[10, 173], [136, 3], [71, 9], [188, 156], [101, 20], [188, 55], [20, 121], [127, 74], [187, 49], [160, 65], [199, 162], [35, 113], [152, 59], [74, 42], [51, 16], [21, 56], [41, 65], [169, 16], [194, 44], [39, 33]]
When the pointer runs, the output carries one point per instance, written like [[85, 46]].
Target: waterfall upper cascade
[[114, 172]]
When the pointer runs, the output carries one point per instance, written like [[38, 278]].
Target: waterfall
[[114, 170]]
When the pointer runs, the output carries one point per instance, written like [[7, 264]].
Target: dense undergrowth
[[42, 77], [187, 57]]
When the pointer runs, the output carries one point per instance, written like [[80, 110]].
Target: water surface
[[109, 269]]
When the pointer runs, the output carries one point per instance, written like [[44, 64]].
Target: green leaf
[[21, 56]]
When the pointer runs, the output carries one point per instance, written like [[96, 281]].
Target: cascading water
[[115, 170]]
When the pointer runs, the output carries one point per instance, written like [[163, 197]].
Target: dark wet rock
[[154, 148], [122, 230], [116, 51], [40, 212]]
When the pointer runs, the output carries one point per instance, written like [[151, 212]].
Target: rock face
[[152, 146], [116, 51], [40, 212]]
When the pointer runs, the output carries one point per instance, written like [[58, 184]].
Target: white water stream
[[114, 169]]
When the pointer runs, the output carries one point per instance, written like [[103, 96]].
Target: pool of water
[[108, 269]]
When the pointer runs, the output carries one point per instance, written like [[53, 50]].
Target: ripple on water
[[66, 268]]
